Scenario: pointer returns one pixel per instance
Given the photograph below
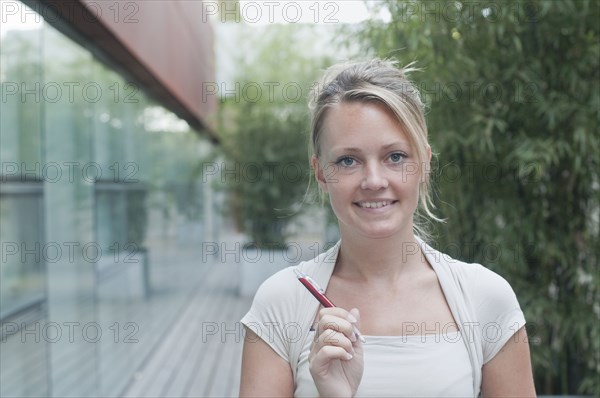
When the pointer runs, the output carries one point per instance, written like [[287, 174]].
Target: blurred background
[[154, 170]]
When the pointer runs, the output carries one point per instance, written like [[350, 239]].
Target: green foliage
[[268, 156], [514, 95], [265, 136]]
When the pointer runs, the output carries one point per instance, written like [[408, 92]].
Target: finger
[[327, 354], [356, 325], [337, 324], [332, 338], [338, 312], [351, 316]]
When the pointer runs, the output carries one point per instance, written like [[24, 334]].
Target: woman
[[433, 326]]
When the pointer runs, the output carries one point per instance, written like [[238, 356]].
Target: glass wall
[[101, 213]]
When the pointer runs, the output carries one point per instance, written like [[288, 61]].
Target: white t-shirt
[[410, 366], [444, 364]]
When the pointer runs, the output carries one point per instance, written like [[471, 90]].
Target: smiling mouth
[[375, 204]]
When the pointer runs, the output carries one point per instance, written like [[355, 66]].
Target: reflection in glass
[[126, 210], [22, 282]]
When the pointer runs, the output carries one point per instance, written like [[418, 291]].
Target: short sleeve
[[498, 312], [271, 315]]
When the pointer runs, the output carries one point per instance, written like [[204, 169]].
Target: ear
[[319, 175]]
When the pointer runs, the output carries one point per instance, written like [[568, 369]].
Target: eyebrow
[[353, 149]]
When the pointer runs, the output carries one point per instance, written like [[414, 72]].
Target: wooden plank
[[185, 365], [174, 346], [74, 364], [21, 361], [156, 371], [215, 368], [200, 376], [234, 384], [207, 306], [226, 381], [231, 334]]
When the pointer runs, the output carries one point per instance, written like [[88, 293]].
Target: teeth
[[371, 205]]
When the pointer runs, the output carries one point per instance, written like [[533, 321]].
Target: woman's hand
[[336, 357]]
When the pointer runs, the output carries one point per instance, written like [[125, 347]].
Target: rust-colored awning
[[165, 46]]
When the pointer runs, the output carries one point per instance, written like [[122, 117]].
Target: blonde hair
[[382, 81]]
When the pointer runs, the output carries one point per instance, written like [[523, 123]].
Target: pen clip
[[310, 280]]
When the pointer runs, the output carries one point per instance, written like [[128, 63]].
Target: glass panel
[[22, 94], [115, 205], [23, 359], [22, 272], [69, 204], [20, 156]]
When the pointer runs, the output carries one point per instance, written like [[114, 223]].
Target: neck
[[379, 259]]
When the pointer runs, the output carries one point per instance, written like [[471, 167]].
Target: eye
[[345, 161], [397, 157]]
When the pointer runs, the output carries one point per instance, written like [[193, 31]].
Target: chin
[[385, 231], [378, 233], [377, 230]]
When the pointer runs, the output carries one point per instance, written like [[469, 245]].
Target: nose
[[374, 178]]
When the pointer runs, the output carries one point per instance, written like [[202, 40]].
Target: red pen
[[319, 294]]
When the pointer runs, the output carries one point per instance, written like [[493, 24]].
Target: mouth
[[375, 204]]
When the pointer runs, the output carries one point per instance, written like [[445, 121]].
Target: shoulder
[[488, 291], [480, 284], [280, 295], [493, 302], [277, 290], [497, 309], [272, 309], [481, 281], [282, 306], [491, 289], [481, 297]]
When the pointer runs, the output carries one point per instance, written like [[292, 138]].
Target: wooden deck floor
[[200, 355]]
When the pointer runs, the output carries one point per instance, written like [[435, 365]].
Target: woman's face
[[369, 169]]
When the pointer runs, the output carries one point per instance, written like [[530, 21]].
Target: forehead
[[361, 124]]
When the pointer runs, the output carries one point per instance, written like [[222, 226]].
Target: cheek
[[411, 177], [338, 204], [407, 187], [340, 183], [413, 192], [339, 193], [412, 185]]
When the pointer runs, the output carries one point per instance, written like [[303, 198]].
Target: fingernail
[[353, 337], [351, 318], [348, 356]]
